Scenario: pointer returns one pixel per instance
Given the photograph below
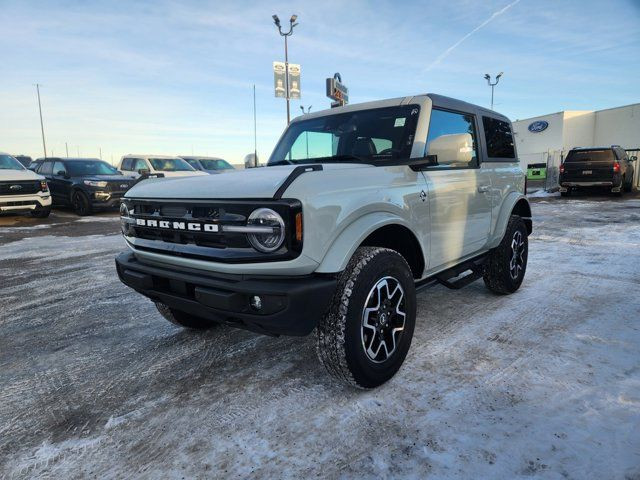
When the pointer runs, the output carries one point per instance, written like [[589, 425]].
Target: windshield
[[170, 165], [84, 168], [590, 156], [215, 164], [369, 136], [7, 162]]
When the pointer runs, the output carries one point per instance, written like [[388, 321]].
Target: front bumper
[[13, 203], [291, 305]]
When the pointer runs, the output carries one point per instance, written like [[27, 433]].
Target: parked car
[[156, 165], [358, 207], [211, 165], [25, 160], [33, 166], [21, 190], [597, 167], [85, 184]]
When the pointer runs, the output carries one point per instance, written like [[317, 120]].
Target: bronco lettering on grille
[[171, 225]]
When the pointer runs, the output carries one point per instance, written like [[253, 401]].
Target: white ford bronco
[[358, 207]]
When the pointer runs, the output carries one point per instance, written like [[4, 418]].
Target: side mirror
[[633, 159], [144, 172], [422, 163], [62, 173]]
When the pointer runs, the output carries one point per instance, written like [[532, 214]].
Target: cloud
[[448, 51]]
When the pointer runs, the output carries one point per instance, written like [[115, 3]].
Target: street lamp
[[44, 145], [292, 23], [487, 77]]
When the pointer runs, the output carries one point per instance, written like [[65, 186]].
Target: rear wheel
[[182, 319], [507, 262], [629, 185], [80, 203], [366, 333], [565, 194]]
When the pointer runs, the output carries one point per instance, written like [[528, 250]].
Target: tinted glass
[[217, 164], [83, 168], [590, 156], [170, 165], [58, 167], [452, 139], [46, 168], [349, 137], [499, 138], [193, 163], [139, 164], [7, 162], [126, 164]]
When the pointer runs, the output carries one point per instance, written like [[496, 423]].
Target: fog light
[[256, 302]]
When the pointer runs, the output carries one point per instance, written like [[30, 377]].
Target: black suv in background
[[25, 160], [597, 167], [85, 184]]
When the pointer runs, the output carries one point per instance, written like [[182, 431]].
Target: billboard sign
[[337, 91], [279, 81]]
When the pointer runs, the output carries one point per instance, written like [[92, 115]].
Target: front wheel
[[366, 333], [507, 262], [80, 203], [41, 212]]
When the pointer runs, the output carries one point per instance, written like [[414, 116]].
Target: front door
[[60, 185], [458, 188]]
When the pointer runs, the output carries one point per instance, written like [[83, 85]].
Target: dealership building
[[547, 138]]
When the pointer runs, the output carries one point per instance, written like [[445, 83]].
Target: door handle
[[483, 188]]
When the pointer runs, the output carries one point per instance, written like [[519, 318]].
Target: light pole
[[306, 133], [492, 85], [44, 145], [292, 24]]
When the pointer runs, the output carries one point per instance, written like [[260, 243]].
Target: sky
[[176, 77]]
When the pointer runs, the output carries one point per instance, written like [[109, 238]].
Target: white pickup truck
[[358, 207], [21, 190]]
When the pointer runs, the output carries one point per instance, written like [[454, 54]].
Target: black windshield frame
[[377, 136]]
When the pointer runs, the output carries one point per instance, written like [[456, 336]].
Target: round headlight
[[270, 241], [124, 219]]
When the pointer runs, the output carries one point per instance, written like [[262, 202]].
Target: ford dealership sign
[[539, 126]]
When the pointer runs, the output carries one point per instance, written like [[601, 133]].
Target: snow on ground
[[544, 383]]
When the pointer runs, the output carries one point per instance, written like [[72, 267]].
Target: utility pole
[[44, 145], [100, 148], [78, 149], [292, 24], [487, 77], [66, 147], [255, 129]]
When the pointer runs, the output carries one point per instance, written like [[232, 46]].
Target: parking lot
[[545, 382]]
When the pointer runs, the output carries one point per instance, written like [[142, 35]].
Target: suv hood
[[109, 178], [16, 175], [251, 183]]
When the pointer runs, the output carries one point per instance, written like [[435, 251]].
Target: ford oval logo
[[539, 126]]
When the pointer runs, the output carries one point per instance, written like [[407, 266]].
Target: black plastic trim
[[295, 173]]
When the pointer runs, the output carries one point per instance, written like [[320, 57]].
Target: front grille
[[220, 245], [19, 188]]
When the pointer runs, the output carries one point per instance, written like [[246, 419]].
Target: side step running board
[[476, 267]]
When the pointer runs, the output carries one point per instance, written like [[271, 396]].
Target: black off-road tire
[[182, 319], [41, 212], [565, 194], [340, 337], [498, 276], [80, 203], [629, 186]]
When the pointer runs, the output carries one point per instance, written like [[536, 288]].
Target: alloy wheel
[[383, 319], [516, 264]]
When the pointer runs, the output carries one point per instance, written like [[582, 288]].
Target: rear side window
[[590, 156], [499, 138]]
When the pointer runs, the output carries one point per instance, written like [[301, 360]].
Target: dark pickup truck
[[597, 167]]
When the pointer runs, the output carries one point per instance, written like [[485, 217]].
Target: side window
[[46, 168], [126, 164], [313, 145], [499, 138], [452, 139], [58, 167], [139, 164]]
